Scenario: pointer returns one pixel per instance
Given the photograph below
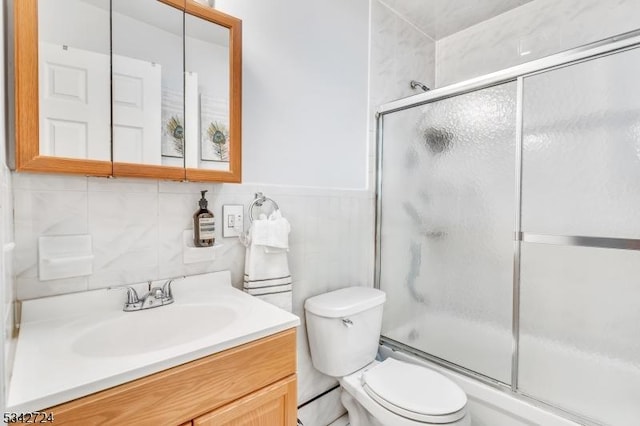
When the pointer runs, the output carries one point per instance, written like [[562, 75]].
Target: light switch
[[233, 220]]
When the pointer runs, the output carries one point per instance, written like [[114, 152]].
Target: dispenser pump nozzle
[[203, 201]]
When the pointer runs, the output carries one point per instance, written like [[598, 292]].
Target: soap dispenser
[[203, 225]]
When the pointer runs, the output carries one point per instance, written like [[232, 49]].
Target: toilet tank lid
[[344, 302]]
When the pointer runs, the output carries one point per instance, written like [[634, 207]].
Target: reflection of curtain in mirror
[[214, 128]]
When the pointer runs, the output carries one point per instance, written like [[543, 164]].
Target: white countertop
[[73, 345]]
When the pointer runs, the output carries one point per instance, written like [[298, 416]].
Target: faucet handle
[[132, 294], [166, 289]]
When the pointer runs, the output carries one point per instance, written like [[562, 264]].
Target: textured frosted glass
[[580, 330], [448, 184], [581, 159]]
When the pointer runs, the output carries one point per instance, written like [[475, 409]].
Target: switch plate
[[232, 220]]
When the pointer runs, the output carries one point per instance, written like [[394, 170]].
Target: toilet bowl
[[343, 327], [425, 398]]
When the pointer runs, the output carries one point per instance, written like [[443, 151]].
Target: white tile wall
[[543, 26], [399, 53], [137, 226]]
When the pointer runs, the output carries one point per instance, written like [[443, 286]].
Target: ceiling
[[441, 18]]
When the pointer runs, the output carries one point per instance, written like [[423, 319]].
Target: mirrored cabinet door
[[148, 89], [207, 87], [62, 86], [74, 81], [212, 94]]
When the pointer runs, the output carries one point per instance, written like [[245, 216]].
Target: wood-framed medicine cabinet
[[145, 88]]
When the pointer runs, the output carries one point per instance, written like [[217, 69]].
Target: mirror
[[207, 94], [147, 79], [147, 88], [74, 79]]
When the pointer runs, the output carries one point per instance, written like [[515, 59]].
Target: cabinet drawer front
[[181, 393], [274, 405]]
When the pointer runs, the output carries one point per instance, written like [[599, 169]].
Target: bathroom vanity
[[254, 381], [214, 356]]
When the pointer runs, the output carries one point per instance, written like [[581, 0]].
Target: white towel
[[266, 273], [271, 232], [262, 269]]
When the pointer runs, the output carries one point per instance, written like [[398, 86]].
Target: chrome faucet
[[155, 297]]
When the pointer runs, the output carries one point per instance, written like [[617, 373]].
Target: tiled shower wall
[[541, 27], [399, 52], [136, 226]]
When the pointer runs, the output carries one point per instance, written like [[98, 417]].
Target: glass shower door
[[447, 226], [580, 264]]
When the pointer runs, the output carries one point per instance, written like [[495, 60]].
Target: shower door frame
[[609, 46]]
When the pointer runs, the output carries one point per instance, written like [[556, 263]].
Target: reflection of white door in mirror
[[137, 125], [74, 103]]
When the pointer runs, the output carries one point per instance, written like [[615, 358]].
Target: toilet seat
[[414, 392]]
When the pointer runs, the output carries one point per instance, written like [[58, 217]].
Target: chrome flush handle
[[347, 322]]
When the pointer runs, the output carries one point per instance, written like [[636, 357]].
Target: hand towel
[[266, 273], [272, 233]]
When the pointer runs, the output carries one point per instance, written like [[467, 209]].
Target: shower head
[[416, 84]]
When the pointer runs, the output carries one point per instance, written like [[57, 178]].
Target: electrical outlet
[[232, 220]]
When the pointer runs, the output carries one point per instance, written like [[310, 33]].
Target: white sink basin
[[153, 329], [92, 345]]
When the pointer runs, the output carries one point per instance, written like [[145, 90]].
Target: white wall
[[75, 23], [542, 27], [304, 91]]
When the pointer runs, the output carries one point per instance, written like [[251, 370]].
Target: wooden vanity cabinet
[[252, 384], [268, 406]]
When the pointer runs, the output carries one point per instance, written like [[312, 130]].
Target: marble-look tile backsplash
[[137, 226]]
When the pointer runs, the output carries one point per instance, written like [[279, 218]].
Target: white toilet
[[343, 327]]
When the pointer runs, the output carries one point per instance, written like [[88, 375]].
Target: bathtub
[[600, 386], [487, 405]]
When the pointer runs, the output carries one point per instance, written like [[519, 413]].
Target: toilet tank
[[343, 328]]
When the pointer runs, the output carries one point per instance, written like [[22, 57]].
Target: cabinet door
[[274, 405], [61, 67]]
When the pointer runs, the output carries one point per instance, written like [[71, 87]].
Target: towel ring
[[259, 200]]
